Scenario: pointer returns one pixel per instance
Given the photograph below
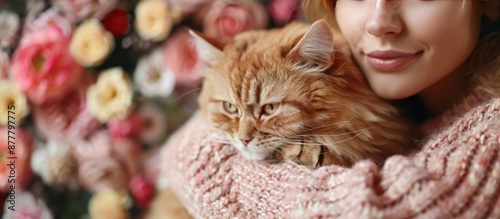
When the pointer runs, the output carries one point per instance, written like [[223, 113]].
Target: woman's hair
[[484, 64], [314, 10]]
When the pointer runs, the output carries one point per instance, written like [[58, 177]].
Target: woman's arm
[[456, 174]]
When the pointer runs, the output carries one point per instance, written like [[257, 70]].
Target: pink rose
[[283, 11], [68, 119], [227, 18], [27, 207], [182, 60], [141, 190], [151, 164], [105, 162], [23, 146], [78, 10], [130, 127], [42, 66]]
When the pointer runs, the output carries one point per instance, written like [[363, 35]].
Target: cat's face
[[265, 94], [261, 107]]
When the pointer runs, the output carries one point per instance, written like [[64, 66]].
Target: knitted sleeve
[[455, 175]]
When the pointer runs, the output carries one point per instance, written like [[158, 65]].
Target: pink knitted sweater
[[455, 175]]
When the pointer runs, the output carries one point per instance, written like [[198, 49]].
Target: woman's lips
[[389, 61]]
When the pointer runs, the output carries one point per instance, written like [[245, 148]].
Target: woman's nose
[[385, 20]]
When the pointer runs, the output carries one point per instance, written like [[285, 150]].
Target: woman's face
[[405, 46]]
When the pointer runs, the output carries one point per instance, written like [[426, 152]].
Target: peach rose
[[77, 10], [105, 162], [4, 65], [13, 103], [111, 96], [182, 60], [282, 11], [68, 119], [151, 78], [110, 204], [91, 43], [153, 20], [97, 146], [42, 66], [226, 18], [19, 153]]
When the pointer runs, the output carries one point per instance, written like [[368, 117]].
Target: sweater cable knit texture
[[456, 174]]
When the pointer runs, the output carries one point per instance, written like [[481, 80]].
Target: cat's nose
[[245, 141]]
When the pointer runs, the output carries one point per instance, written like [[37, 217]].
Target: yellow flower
[[109, 204], [111, 96], [153, 20], [91, 43], [12, 103]]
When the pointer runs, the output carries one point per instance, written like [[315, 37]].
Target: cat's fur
[[297, 92]]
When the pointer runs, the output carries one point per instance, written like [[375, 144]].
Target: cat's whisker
[[221, 140], [184, 94], [342, 124], [302, 143], [347, 139], [271, 139], [335, 135]]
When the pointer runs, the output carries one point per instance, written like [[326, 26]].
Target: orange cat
[[297, 92]]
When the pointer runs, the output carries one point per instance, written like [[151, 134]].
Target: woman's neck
[[441, 96]]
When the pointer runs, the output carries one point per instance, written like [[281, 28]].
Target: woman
[[426, 50]]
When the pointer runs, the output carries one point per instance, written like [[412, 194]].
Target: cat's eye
[[229, 108], [269, 109]]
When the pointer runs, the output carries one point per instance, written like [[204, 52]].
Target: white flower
[[187, 7], [26, 206], [12, 103], [54, 163], [77, 10], [111, 96], [44, 19], [34, 8], [153, 20], [4, 65], [9, 25], [151, 78], [91, 43]]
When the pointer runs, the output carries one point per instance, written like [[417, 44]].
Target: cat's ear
[[315, 48], [209, 49]]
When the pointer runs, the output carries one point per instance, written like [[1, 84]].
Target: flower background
[[98, 86]]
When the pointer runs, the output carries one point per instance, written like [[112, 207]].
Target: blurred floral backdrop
[[90, 89]]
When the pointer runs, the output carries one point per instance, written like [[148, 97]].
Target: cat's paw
[[310, 155]]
